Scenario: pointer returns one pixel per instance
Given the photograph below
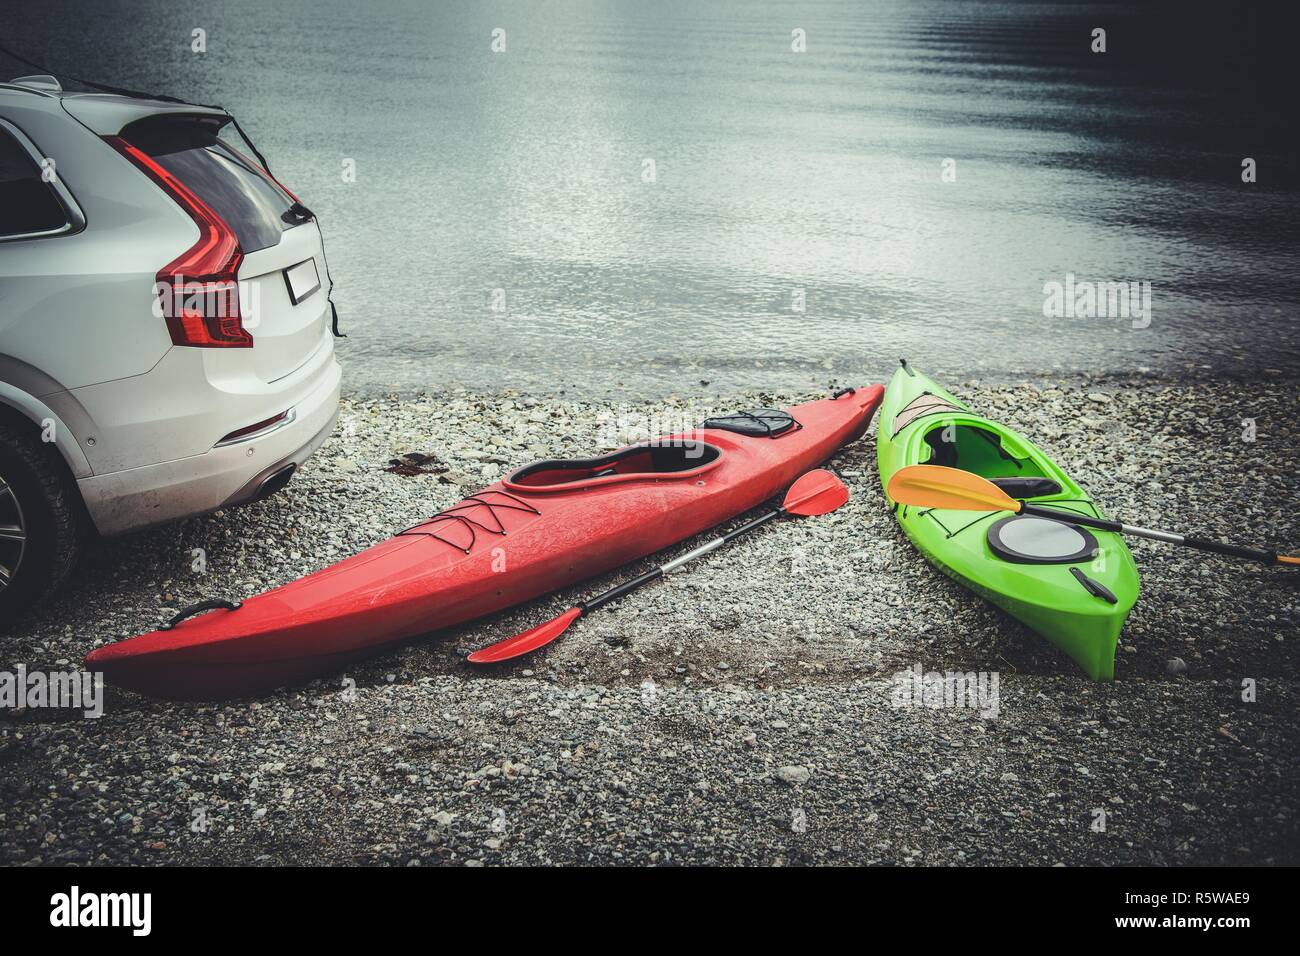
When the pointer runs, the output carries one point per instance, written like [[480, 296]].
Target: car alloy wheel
[[13, 534]]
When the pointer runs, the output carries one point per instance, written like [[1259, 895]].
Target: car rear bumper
[[230, 474]]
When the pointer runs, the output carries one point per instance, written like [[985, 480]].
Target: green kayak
[[1071, 585]]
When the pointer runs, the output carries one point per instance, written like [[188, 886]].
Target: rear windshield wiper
[[297, 214]]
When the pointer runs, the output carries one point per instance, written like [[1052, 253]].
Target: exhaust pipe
[[274, 482]]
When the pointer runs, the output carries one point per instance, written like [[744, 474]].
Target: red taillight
[[201, 304]]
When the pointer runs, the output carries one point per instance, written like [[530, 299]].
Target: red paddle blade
[[816, 493], [529, 640]]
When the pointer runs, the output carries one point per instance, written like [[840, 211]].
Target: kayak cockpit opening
[[672, 460], [977, 450]]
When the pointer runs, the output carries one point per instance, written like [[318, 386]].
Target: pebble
[[794, 774]]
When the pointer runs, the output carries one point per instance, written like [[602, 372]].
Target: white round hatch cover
[[1027, 539]]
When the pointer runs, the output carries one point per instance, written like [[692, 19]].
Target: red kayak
[[546, 526]]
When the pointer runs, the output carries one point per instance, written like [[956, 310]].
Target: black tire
[[37, 495]]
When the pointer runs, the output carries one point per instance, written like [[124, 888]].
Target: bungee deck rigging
[[471, 525]]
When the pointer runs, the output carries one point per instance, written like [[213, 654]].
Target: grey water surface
[[779, 175]]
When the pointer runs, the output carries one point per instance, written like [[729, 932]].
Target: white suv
[[165, 337]]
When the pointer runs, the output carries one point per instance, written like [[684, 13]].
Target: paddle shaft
[[657, 572], [1201, 544]]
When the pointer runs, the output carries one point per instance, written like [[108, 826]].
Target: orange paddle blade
[[529, 640], [934, 486], [815, 493]]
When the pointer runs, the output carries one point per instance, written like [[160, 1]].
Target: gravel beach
[[741, 711]]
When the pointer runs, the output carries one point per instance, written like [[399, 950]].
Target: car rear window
[[28, 204], [239, 190]]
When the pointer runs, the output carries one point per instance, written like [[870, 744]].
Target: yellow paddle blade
[[934, 486]]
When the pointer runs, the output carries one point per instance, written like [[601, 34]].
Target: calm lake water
[[779, 176]]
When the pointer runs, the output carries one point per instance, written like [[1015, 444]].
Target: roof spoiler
[[44, 82], [49, 76]]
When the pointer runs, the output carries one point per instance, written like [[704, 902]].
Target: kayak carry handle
[[199, 608]]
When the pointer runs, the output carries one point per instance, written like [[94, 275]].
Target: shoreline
[[810, 380], [769, 735]]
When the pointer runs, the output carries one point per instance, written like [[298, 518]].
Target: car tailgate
[[285, 332]]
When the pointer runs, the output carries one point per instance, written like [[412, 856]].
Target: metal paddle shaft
[[657, 572], [1201, 544], [815, 493]]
